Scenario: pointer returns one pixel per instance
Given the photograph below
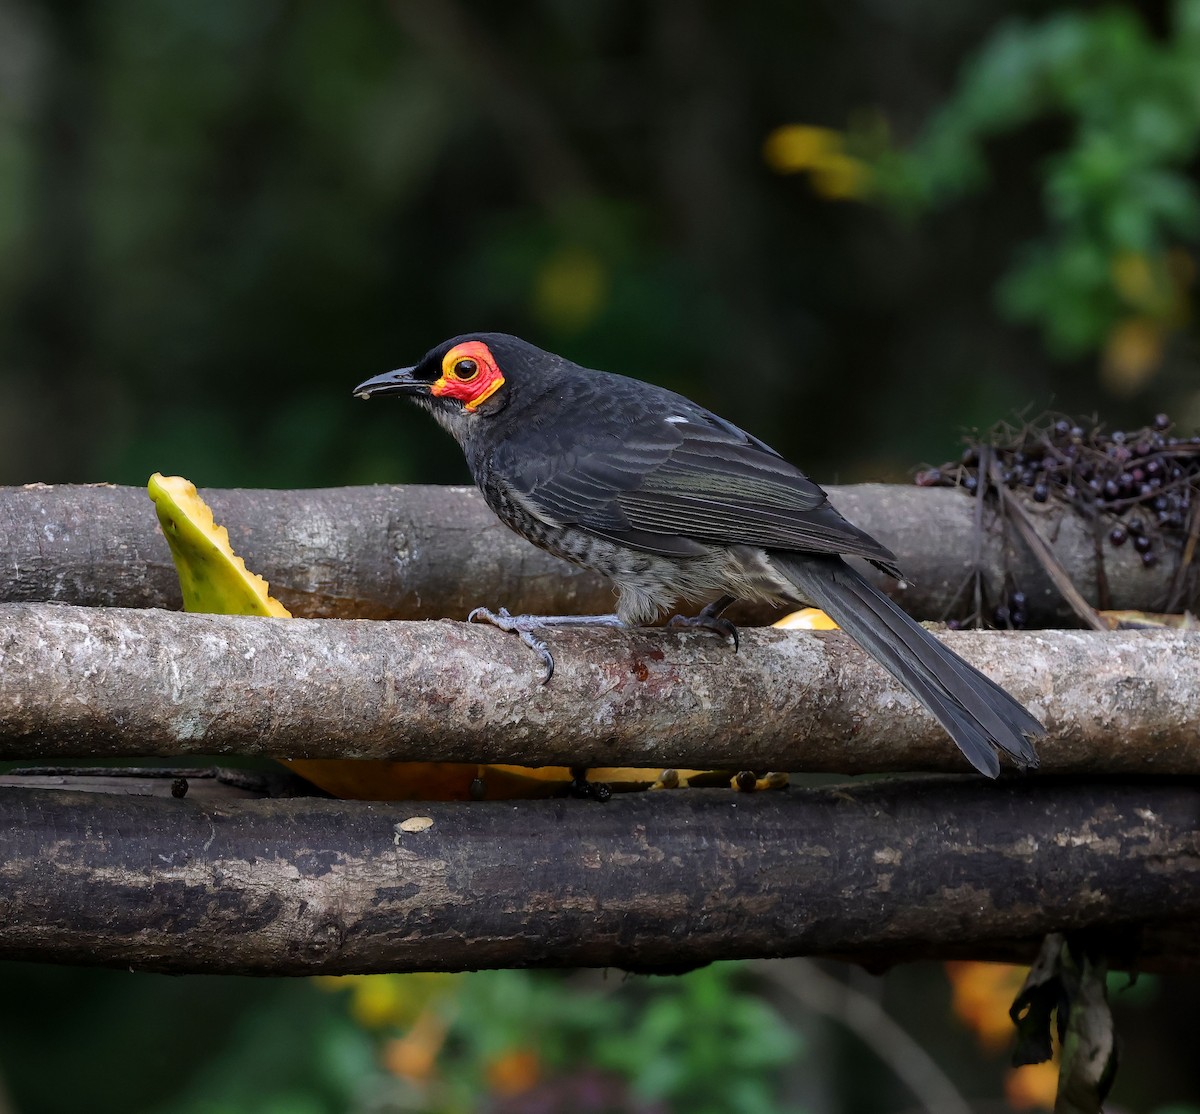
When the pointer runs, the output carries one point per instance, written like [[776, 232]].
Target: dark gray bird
[[673, 502]]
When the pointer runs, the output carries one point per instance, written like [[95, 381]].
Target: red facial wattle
[[469, 374]]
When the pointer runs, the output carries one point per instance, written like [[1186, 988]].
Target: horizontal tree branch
[[431, 552], [123, 682], [897, 870], [218, 783]]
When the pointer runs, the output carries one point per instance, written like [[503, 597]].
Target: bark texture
[[658, 881], [877, 874], [432, 552], [122, 682]]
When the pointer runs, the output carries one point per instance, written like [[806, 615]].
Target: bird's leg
[[709, 618], [525, 625]]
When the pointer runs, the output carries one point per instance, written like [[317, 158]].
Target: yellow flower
[[1134, 277], [379, 1001], [1157, 289], [795, 148], [1133, 352], [841, 178]]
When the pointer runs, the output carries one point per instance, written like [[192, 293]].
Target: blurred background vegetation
[[217, 218], [857, 228]]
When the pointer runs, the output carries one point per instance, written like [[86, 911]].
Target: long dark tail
[[978, 714]]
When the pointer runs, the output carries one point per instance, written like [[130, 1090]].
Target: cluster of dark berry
[[1008, 615], [1145, 481], [1011, 613]]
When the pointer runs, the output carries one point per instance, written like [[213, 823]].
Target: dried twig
[[1044, 553]]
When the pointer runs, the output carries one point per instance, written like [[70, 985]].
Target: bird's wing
[[720, 485], [674, 482]]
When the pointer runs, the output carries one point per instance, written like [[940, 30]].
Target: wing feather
[[668, 477]]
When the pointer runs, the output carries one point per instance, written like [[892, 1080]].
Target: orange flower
[[983, 993], [414, 1055], [514, 1072], [1034, 1086]]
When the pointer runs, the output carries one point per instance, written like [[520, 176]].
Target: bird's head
[[470, 375]]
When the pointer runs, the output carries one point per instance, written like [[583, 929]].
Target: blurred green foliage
[[216, 219], [508, 1042], [702, 1043], [1119, 196], [153, 1044]]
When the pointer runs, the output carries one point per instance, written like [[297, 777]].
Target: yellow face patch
[[469, 373]]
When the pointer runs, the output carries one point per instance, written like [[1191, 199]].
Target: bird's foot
[[710, 619], [525, 625]]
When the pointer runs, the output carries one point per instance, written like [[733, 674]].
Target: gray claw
[[715, 623], [521, 625], [542, 650]]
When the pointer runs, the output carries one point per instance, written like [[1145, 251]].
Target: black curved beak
[[398, 382]]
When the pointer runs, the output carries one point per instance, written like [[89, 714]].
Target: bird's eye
[[465, 370]]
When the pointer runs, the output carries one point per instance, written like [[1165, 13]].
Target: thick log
[[432, 552], [123, 682], [945, 868]]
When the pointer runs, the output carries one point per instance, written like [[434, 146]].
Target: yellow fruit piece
[[1148, 620], [214, 580], [381, 780], [808, 618]]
